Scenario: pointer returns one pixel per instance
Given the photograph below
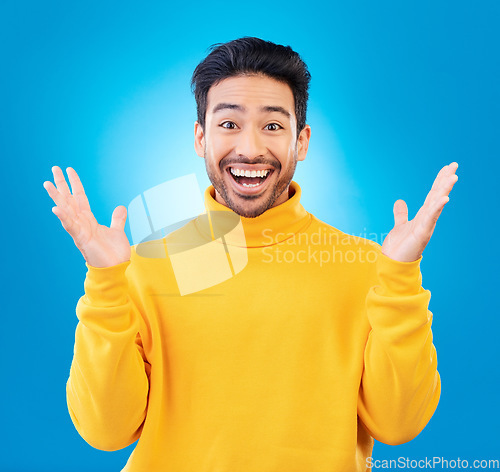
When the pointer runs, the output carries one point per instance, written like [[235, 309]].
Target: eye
[[273, 127], [228, 125]]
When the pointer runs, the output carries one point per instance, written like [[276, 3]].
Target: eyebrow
[[265, 109]]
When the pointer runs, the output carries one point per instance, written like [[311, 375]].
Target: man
[[292, 364]]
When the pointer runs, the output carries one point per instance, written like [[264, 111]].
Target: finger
[[442, 185], [437, 181], [63, 188], [60, 181], [433, 191], [451, 177], [78, 191], [430, 218], [444, 188], [119, 217], [400, 212], [59, 199], [448, 176], [69, 224], [449, 183], [453, 167]]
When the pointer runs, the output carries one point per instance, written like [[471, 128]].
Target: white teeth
[[249, 173], [250, 185]]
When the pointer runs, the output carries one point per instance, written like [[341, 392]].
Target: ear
[[303, 143], [199, 139]]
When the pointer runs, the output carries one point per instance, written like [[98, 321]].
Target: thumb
[[119, 217], [400, 212]]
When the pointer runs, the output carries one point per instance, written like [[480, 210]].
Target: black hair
[[251, 55]]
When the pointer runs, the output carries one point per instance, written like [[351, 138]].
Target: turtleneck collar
[[273, 226]]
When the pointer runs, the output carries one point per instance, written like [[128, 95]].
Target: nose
[[250, 144]]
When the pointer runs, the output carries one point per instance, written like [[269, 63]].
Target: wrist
[[402, 256], [102, 259], [106, 286], [399, 277]]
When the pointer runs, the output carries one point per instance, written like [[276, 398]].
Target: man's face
[[250, 142]]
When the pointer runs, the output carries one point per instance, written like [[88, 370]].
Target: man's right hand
[[101, 246]]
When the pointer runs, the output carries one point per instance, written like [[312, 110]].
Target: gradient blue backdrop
[[399, 89]]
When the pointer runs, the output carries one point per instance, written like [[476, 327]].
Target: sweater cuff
[[398, 278], [106, 286]]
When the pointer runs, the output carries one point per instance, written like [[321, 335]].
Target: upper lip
[[250, 167]]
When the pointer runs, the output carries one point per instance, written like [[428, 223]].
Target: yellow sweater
[[315, 343]]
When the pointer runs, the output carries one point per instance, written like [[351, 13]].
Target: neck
[[274, 225], [285, 195]]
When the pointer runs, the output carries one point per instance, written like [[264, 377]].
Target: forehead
[[251, 91]]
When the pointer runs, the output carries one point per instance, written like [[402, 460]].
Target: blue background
[[399, 89]]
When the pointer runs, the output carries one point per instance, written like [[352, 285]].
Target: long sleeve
[[107, 389], [295, 363], [400, 385]]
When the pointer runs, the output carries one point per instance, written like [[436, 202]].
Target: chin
[[251, 204], [249, 207]]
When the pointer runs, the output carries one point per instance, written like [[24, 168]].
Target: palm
[[399, 238], [99, 240], [100, 245], [408, 239]]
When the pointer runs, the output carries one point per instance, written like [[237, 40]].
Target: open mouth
[[249, 178]]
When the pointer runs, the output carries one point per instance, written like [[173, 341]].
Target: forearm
[[108, 385], [400, 385]]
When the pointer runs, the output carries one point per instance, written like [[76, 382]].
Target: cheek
[[286, 147], [219, 146], [280, 147], [289, 151]]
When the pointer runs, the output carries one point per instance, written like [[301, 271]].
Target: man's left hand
[[407, 240]]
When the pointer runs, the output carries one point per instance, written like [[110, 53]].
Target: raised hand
[[407, 240], [100, 246]]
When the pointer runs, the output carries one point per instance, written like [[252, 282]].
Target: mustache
[[230, 160]]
